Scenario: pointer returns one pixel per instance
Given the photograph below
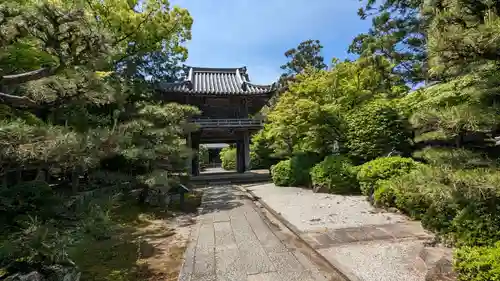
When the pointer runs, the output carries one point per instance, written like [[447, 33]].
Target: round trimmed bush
[[294, 171], [381, 169], [336, 174], [376, 129], [282, 173]]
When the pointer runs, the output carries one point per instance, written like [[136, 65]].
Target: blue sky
[[256, 33]]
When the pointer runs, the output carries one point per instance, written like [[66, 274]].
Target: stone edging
[[332, 263]]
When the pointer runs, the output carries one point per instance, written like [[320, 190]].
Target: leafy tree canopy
[[398, 34], [306, 55]]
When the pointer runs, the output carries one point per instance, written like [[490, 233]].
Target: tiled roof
[[218, 81]]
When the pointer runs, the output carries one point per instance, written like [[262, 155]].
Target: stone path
[[232, 241], [364, 243]]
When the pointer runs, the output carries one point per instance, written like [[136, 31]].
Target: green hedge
[[477, 263], [228, 158], [375, 129], [294, 171], [335, 173], [381, 169], [462, 206], [384, 196]]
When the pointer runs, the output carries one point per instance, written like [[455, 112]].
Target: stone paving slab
[[364, 243], [368, 233], [231, 241]]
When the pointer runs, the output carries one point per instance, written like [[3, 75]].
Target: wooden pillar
[[246, 149], [240, 157]]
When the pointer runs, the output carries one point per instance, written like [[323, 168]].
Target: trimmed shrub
[[410, 193], [476, 196], [462, 206], [384, 196], [282, 173], [453, 157], [228, 158], [294, 171], [381, 169], [336, 174], [376, 129], [477, 263]]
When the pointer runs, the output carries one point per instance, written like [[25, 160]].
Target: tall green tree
[[398, 34], [463, 36], [306, 55], [68, 96], [55, 36]]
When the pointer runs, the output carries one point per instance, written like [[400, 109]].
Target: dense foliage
[[478, 263], [461, 205], [376, 129], [228, 158], [336, 174], [381, 169], [294, 171], [79, 120]]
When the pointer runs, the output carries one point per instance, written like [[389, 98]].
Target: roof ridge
[[262, 85], [218, 81], [217, 69]]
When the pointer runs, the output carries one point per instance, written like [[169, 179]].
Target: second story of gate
[[225, 96]]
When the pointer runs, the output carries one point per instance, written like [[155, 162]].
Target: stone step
[[437, 264], [229, 178], [368, 233]]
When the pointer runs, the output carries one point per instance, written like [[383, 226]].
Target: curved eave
[[182, 89]]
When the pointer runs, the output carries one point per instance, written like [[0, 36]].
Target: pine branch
[[16, 79], [17, 101]]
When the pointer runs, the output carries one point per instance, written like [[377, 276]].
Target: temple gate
[[228, 101]]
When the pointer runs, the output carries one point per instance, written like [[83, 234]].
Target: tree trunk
[[144, 194], [41, 175], [459, 139], [19, 175], [75, 181]]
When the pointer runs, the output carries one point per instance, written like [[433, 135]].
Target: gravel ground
[[310, 211], [379, 261]]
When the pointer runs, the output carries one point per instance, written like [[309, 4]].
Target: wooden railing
[[228, 123]]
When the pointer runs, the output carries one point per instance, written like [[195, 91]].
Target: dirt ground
[[162, 247], [146, 244]]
